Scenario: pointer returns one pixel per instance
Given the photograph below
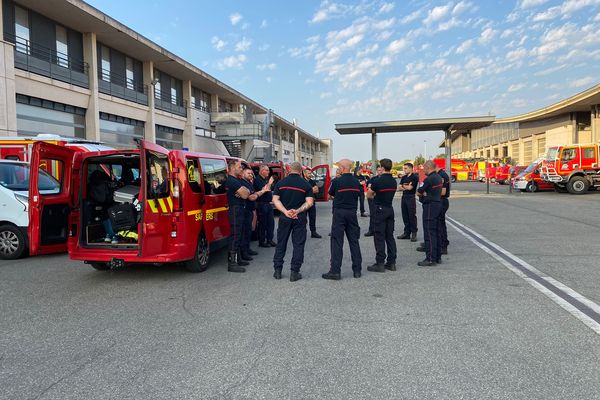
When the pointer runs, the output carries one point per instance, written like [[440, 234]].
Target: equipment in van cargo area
[[126, 194], [122, 217]]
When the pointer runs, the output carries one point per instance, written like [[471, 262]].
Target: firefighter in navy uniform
[[345, 191], [237, 194], [292, 196], [442, 231], [371, 202], [264, 210], [382, 192], [408, 186], [363, 182], [312, 212], [430, 196], [246, 252]]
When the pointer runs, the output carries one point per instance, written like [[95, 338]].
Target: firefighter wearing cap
[[382, 192], [312, 212], [292, 196], [345, 191], [430, 196]]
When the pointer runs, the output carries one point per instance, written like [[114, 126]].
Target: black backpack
[[100, 190], [122, 217]]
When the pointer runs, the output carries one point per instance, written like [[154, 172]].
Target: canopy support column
[[374, 151], [448, 146]]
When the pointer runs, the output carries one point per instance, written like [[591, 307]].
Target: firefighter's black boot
[[232, 263], [241, 260]]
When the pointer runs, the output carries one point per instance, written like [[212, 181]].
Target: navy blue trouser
[[312, 218], [297, 229], [361, 200], [246, 230], [431, 213], [236, 222], [383, 234], [371, 203], [409, 213], [345, 221], [266, 222], [442, 231]]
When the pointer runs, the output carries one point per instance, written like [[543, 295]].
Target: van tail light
[[174, 227], [177, 200]]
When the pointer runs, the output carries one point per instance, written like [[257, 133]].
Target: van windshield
[[16, 177], [531, 167]]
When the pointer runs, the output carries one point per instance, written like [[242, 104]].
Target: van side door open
[[50, 198], [322, 178]]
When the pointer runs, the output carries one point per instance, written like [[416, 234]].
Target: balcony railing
[[120, 86], [44, 61], [239, 131], [178, 108]]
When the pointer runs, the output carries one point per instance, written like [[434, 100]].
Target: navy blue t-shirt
[[292, 191], [260, 183], [250, 204], [345, 191], [412, 179], [385, 187], [233, 184], [432, 187], [446, 180]]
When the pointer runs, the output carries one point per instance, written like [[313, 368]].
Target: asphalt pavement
[[467, 329]]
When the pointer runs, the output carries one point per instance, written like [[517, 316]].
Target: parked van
[[529, 180], [167, 206]]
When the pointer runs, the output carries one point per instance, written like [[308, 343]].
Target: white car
[[14, 203]]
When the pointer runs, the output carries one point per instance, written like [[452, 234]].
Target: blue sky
[[327, 62]]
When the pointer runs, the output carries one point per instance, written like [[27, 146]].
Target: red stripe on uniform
[[291, 188], [349, 190], [437, 186], [387, 190]]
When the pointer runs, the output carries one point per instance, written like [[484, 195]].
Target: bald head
[[429, 167], [296, 167], [344, 165]]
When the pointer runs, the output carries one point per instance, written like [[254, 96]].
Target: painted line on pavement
[[576, 304]]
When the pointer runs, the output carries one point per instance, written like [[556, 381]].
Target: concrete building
[[67, 68], [526, 137]]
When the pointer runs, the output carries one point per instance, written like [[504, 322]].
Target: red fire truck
[[573, 168], [176, 199], [460, 168]]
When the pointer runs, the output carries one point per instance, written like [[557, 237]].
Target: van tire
[[578, 185], [532, 187], [12, 242], [100, 266], [200, 261], [453, 179]]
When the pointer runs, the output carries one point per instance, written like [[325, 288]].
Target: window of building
[[129, 73], [120, 131], [170, 138], [62, 48], [105, 64], [36, 116], [22, 30], [214, 173], [173, 91], [157, 86]]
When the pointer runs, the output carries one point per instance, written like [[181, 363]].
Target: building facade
[[66, 68], [526, 137]]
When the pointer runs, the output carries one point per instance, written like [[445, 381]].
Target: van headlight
[[24, 200]]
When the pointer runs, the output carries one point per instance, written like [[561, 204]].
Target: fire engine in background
[[460, 168], [573, 168], [530, 180], [15, 223], [481, 172]]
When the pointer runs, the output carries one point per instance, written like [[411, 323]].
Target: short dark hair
[[386, 164], [231, 163], [409, 165]]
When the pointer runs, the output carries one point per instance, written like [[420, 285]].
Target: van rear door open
[[50, 202], [322, 178]]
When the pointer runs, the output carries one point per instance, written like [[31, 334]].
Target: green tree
[[419, 160]]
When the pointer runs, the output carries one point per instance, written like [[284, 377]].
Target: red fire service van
[[573, 168], [460, 168], [529, 180], [168, 206]]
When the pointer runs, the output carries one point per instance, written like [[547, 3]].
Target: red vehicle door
[[157, 188], [50, 201], [589, 157], [569, 160], [322, 178]]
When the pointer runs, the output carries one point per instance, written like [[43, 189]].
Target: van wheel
[[532, 187], [200, 261], [100, 266], [453, 179], [12, 242], [578, 185]]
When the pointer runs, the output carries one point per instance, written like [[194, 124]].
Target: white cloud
[[462, 7], [243, 45], [264, 67], [313, 39], [551, 70], [437, 13], [217, 43], [264, 24], [465, 46], [386, 8], [531, 3], [597, 19], [587, 81], [411, 17], [237, 62], [235, 18], [329, 10], [397, 45], [487, 36], [325, 95], [264, 47], [516, 55], [564, 10], [516, 87]]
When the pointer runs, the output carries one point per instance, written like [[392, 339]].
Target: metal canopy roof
[[453, 125]]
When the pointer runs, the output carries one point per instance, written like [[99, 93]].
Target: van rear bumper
[[128, 256]]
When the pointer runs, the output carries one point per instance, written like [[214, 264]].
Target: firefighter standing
[[292, 196], [382, 192], [312, 212], [363, 183], [237, 194], [445, 203], [408, 186], [345, 191], [246, 252], [266, 220], [371, 202], [430, 196]]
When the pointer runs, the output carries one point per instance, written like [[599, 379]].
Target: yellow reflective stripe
[[194, 212], [163, 207], [152, 205], [170, 202], [216, 210]]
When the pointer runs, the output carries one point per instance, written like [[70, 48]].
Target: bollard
[[487, 178]]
